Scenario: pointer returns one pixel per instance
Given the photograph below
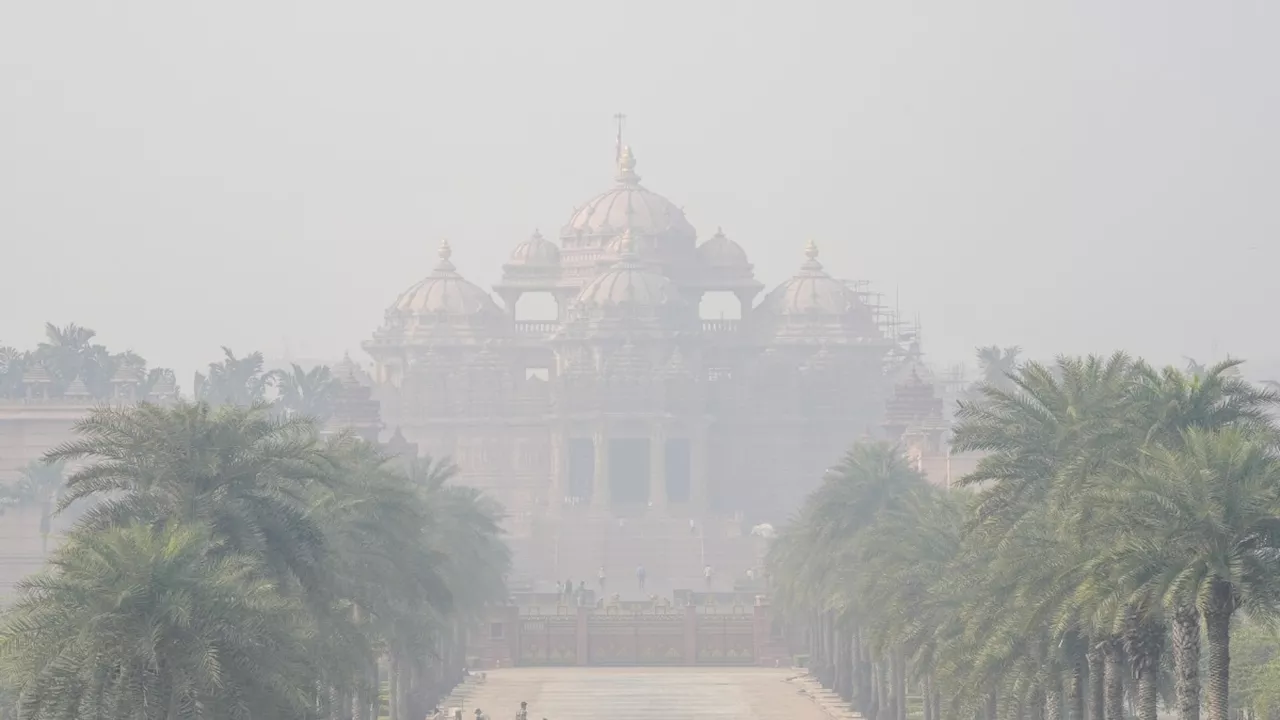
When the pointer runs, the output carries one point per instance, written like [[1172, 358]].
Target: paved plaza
[[641, 694]]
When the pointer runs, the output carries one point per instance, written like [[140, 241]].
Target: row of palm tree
[[1121, 519], [244, 381], [69, 353], [234, 563]]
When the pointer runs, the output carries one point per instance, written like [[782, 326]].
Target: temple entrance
[[582, 469], [629, 471], [679, 456]]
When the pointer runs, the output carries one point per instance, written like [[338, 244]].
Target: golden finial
[[811, 266], [627, 166], [444, 253]]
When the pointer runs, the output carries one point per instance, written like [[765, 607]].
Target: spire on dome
[[627, 167], [444, 253], [811, 264]]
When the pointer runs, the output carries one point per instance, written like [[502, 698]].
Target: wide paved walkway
[[642, 694]]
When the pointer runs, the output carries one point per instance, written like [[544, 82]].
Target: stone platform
[[641, 694]]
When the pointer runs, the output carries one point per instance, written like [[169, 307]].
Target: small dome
[[628, 285], [721, 252], [629, 206], [444, 293], [812, 292], [537, 251]]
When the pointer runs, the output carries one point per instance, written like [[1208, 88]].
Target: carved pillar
[[658, 466], [509, 300], [600, 481], [559, 467], [698, 468]]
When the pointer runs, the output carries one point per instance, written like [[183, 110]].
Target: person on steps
[[640, 576]]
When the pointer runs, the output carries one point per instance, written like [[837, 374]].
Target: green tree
[[233, 381], [306, 392], [40, 484], [997, 365], [139, 622], [237, 470], [1207, 516]]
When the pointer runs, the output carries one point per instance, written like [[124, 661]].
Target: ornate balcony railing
[[536, 327], [721, 326]]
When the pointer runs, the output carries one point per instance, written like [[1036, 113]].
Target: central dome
[[628, 285], [653, 220]]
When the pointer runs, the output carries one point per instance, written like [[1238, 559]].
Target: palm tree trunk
[[866, 678], [881, 711], [832, 643], [1035, 705], [1186, 662], [900, 673], [393, 688], [1074, 690], [840, 652], [891, 688], [1217, 626], [926, 695], [1147, 694], [1097, 695], [1053, 700], [1113, 681]]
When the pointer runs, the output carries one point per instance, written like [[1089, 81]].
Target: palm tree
[[464, 532], [997, 364], [68, 352], [13, 364], [306, 392], [234, 381], [138, 623], [1206, 518], [239, 471], [41, 484]]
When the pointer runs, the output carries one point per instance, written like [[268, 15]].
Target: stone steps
[[830, 702]]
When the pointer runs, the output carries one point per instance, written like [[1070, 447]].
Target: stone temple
[[629, 430]]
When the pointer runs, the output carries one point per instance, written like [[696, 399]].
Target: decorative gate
[[636, 639], [548, 640], [726, 640]]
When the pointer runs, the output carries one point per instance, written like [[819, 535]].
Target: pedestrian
[[559, 590], [693, 527], [600, 577], [568, 588], [706, 573], [524, 711], [480, 715], [640, 576]]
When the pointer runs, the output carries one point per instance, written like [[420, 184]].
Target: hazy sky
[[1066, 176]]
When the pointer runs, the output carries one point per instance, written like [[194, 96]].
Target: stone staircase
[[830, 702], [461, 696]]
